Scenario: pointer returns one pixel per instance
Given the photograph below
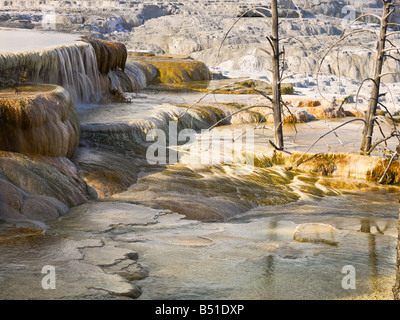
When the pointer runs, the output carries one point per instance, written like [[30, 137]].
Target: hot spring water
[[251, 254]]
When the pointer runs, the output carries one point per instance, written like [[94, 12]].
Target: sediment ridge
[[110, 161]]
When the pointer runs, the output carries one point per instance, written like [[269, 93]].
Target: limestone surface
[[42, 120], [38, 189], [317, 233]]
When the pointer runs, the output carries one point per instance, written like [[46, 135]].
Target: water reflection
[[272, 234], [251, 257], [373, 261], [368, 223], [269, 270]]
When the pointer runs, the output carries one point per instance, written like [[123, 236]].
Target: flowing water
[[250, 254], [52, 58], [201, 231], [255, 257]]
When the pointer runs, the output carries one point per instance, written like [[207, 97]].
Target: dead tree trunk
[[373, 101], [276, 85]]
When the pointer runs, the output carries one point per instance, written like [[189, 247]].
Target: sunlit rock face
[[20, 205], [90, 70], [317, 233], [361, 168], [71, 66], [174, 70], [116, 73], [110, 55], [107, 173], [41, 129], [41, 120], [115, 153], [40, 188]]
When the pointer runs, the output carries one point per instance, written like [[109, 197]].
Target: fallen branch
[[390, 115], [255, 9], [223, 119], [392, 134], [321, 137], [312, 157], [381, 130], [263, 119], [388, 167]]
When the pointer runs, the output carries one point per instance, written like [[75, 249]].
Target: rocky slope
[[198, 29]]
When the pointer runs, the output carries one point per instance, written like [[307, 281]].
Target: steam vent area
[[161, 150]]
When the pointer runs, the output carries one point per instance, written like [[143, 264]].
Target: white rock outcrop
[[317, 233]]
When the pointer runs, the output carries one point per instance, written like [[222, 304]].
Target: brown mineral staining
[[107, 182], [110, 55], [343, 165], [309, 104], [392, 175], [19, 236], [142, 54], [354, 113], [41, 120], [28, 90], [325, 112]]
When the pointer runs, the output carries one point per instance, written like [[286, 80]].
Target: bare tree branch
[[308, 159], [263, 94], [223, 119], [388, 167], [321, 137], [381, 131], [348, 97], [359, 89], [240, 17], [266, 51], [359, 18], [390, 49], [386, 74], [208, 93], [388, 14], [329, 126], [390, 56], [271, 44], [392, 33], [343, 38], [262, 120], [390, 115], [391, 97], [393, 24], [391, 135]]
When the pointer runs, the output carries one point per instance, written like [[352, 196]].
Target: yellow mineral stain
[[175, 70], [19, 236]]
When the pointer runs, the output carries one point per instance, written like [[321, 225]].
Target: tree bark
[[373, 101], [276, 86]]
